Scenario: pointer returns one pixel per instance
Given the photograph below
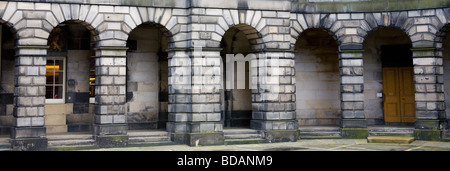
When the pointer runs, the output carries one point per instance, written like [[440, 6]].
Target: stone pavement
[[303, 145]]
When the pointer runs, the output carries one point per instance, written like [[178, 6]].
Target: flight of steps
[[74, 140], [4, 144], [390, 134], [399, 131], [320, 132], [67, 141], [148, 138], [242, 136]]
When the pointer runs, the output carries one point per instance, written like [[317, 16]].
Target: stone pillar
[[430, 101], [29, 132], [110, 127], [273, 99], [353, 123], [194, 97]]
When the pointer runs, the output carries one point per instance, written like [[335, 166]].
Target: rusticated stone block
[[281, 135]]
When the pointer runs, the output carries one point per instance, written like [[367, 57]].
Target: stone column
[[353, 123], [194, 97], [110, 127], [430, 101], [29, 132], [273, 100]]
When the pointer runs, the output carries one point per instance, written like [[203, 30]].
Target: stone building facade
[[111, 66]]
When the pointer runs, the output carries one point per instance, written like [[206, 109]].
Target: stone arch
[[159, 17], [302, 22], [248, 21], [167, 34], [419, 25], [84, 15], [253, 36]]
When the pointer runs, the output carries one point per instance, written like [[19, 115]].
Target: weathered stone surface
[[195, 101]]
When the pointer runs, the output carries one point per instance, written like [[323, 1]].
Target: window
[[92, 86], [56, 76]]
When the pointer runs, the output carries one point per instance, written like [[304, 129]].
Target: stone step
[[391, 131], [5, 145], [242, 136], [390, 139], [240, 131], [148, 134], [70, 140], [320, 132], [148, 138], [319, 129], [398, 134], [61, 143], [70, 136], [244, 141]]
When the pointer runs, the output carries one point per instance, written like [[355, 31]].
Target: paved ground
[[303, 145]]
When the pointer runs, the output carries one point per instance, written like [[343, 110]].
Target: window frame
[[63, 99]]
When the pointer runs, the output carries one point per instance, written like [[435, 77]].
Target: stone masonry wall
[[272, 28]]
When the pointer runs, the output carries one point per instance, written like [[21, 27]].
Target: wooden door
[[398, 88], [407, 94]]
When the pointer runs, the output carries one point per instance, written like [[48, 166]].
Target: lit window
[[55, 87], [92, 86]]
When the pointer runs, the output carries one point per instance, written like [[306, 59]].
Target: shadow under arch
[[147, 77], [317, 78]]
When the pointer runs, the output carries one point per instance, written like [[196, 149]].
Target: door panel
[[398, 88], [407, 94], [391, 95]]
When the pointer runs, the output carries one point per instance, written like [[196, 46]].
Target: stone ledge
[[427, 134], [314, 6], [390, 139]]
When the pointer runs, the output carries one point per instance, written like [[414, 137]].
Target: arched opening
[[70, 79], [445, 41], [7, 63], [237, 101], [317, 79], [147, 78], [388, 78]]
